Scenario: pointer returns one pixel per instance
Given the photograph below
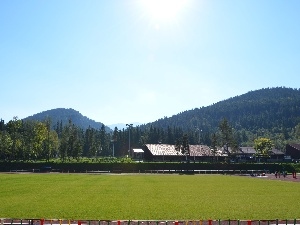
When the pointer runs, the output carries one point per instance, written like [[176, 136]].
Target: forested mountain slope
[[269, 108], [64, 115], [272, 112]]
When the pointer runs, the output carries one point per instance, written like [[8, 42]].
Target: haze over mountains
[[264, 108]]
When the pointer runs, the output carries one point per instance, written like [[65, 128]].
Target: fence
[[147, 222]]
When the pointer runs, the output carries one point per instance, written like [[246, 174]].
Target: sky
[[124, 61]]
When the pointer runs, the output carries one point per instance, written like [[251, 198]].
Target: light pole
[[129, 127], [113, 150], [199, 130], [162, 150]]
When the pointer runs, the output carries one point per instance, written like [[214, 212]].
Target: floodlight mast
[[199, 142], [113, 149], [199, 130], [129, 127]]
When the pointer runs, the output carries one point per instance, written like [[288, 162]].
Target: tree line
[[36, 140]]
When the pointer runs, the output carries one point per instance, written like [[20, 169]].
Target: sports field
[[146, 197]]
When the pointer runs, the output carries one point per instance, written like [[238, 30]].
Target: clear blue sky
[[121, 61]]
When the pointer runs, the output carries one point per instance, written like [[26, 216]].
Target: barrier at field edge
[[15, 221]]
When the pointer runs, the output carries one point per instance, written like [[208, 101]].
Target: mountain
[[64, 115], [268, 108], [273, 110]]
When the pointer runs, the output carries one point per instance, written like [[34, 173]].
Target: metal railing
[[5, 221]]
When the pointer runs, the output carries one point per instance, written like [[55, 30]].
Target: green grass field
[[156, 197]]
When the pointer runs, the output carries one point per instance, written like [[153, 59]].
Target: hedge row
[[146, 167]]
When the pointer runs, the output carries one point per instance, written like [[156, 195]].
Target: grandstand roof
[[138, 150], [200, 150], [162, 149], [166, 149], [276, 152], [295, 145], [248, 150]]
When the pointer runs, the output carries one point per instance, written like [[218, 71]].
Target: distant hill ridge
[[268, 108], [64, 115]]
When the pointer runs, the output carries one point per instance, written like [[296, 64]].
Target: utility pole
[[129, 127], [113, 149], [199, 143]]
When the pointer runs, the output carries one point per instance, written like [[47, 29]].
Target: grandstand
[[200, 150], [163, 149], [167, 152], [158, 152]]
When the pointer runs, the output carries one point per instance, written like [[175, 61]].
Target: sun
[[163, 10]]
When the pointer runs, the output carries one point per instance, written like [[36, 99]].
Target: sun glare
[[163, 10]]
